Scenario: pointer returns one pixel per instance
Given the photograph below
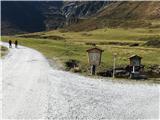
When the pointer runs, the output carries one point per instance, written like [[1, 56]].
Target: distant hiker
[[10, 43], [16, 44]]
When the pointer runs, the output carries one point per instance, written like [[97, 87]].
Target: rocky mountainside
[[82, 9], [31, 16]]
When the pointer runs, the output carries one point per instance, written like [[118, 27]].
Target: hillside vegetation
[[125, 28], [73, 45]]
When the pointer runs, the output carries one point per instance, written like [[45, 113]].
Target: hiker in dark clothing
[[16, 44], [10, 43]]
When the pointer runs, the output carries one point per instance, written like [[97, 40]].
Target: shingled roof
[[95, 48], [135, 56]]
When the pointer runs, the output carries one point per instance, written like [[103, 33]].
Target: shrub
[[71, 63]]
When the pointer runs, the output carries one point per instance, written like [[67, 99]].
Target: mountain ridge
[[31, 16], [24, 17]]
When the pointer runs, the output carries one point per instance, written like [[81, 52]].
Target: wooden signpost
[[114, 64], [94, 58], [135, 61]]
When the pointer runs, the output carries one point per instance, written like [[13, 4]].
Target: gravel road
[[31, 89]]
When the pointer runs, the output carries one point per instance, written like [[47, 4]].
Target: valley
[[48, 76], [63, 31], [62, 46]]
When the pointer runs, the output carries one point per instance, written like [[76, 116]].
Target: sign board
[[135, 60], [94, 56]]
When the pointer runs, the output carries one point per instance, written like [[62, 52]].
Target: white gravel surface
[[31, 89]]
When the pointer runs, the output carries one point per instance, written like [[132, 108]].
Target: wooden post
[[133, 69], [93, 70], [114, 64]]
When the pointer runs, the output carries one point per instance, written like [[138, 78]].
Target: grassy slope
[[74, 45], [3, 50]]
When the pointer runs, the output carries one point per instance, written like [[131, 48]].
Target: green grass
[[74, 46], [53, 49], [3, 50], [107, 34]]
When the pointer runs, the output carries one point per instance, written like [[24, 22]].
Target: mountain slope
[[31, 16], [122, 14], [132, 10], [28, 16], [83, 8]]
